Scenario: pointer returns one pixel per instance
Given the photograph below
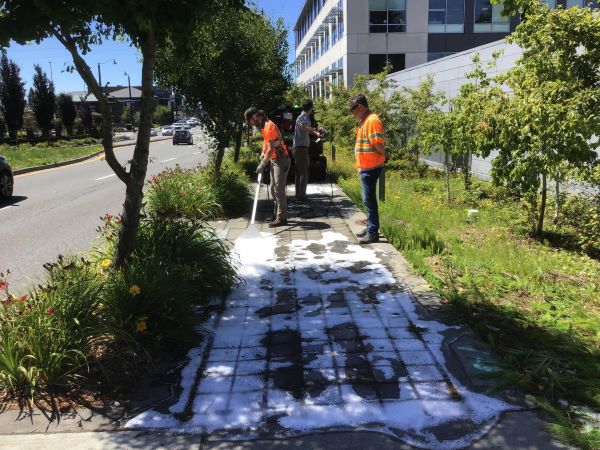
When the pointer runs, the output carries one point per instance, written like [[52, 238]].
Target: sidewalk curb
[[76, 160]]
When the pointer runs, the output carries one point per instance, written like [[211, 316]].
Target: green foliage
[[177, 265], [198, 194], [295, 95], [162, 115], [549, 123], [12, 95], [399, 110], [42, 101], [26, 155], [2, 126], [581, 216], [241, 55]]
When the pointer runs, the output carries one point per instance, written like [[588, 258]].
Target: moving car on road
[[153, 132], [167, 130], [182, 136], [6, 179]]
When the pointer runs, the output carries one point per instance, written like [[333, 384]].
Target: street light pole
[[100, 73], [130, 101], [51, 76]]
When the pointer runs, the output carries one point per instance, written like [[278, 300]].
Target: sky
[[53, 58]]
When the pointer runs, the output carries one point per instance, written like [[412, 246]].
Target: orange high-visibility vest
[[270, 132], [368, 133]]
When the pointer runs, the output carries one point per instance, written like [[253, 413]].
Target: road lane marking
[[197, 153], [107, 176], [167, 160]]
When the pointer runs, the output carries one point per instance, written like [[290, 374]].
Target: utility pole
[[130, 101], [100, 73], [51, 76]]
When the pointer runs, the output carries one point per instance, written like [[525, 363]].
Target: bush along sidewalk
[[199, 194], [79, 334], [537, 304]]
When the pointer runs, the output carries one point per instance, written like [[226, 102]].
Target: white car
[[177, 126], [153, 132], [192, 123], [167, 130], [186, 126]]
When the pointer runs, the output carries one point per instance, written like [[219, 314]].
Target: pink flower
[[50, 311], [3, 285]]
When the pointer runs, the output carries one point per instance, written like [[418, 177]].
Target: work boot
[[278, 223], [369, 239], [270, 219], [362, 233]]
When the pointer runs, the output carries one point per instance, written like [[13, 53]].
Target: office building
[[337, 39]]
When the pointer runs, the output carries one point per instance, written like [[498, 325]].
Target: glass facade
[[489, 18], [446, 16], [387, 16], [437, 55]]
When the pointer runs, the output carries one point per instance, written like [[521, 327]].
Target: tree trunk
[[222, 143], [447, 167], [556, 198], [139, 164], [467, 173], [238, 143], [540, 224]]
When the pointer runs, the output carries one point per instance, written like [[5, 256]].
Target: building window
[[578, 3], [377, 62], [550, 3], [446, 16], [387, 16], [489, 18]]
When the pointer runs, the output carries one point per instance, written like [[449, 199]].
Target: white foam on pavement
[[226, 402]]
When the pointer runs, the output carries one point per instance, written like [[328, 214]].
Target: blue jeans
[[369, 179]]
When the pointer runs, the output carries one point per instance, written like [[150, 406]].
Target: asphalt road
[[58, 210]]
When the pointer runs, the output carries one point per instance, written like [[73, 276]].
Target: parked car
[[6, 179], [153, 132], [182, 136], [167, 130]]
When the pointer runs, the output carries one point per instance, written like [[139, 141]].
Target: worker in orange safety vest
[[274, 154], [370, 159]]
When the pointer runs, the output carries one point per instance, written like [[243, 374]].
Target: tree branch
[[86, 73]]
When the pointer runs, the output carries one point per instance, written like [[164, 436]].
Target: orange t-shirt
[[271, 133], [368, 133]]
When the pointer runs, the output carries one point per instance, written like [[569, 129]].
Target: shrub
[[177, 266], [582, 215], [197, 194], [49, 337]]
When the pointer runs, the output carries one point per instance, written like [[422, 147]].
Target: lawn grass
[[26, 155], [538, 306]]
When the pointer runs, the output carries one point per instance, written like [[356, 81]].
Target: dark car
[[182, 136], [6, 179]]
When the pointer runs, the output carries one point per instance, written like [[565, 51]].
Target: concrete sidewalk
[[327, 345]]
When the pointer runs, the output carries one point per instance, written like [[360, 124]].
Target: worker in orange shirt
[[275, 153], [370, 159]]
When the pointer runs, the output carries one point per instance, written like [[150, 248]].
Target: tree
[[295, 95], [127, 116], [77, 24], [384, 99], [42, 101], [436, 131], [551, 119], [162, 115], [12, 95], [2, 126], [66, 111], [236, 60], [87, 121]]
